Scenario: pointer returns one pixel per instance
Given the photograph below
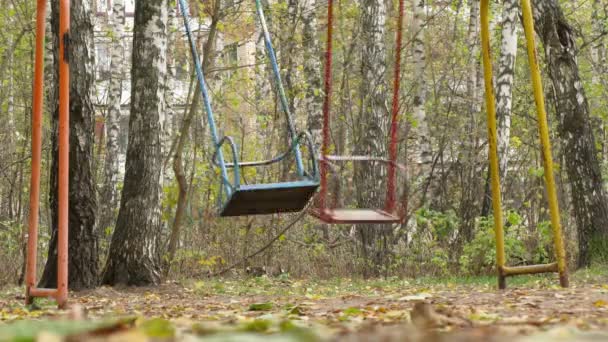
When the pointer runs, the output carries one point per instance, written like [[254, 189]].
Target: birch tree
[[423, 153], [109, 198], [470, 180], [313, 96], [133, 257], [373, 123], [589, 200], [504, 82]]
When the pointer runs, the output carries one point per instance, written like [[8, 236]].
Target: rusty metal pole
[[64, 149], [37, 104], [391, 176]]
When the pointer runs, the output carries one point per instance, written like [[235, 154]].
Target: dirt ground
[[358, 311]]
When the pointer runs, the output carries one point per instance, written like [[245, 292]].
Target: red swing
[[388, 214]]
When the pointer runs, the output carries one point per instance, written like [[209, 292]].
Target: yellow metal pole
[[545, 143], [492, 139]]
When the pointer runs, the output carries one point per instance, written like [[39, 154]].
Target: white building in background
[[232, 54]]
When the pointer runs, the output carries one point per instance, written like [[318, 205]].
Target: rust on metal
[[37, 105]]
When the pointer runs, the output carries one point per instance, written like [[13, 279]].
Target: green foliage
[[441, 224], [257, 325], [260, 307], [26, 331], [521, 245], [599, 249], [158, 328]]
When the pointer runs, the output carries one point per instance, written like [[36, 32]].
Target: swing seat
[[270, 198], [354, 216], [267, 198]]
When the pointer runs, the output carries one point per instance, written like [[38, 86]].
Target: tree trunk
[[313, 97], [109, 198], [589, 198], [504, 94], [83, 242], [264, 98], [470, 179], [598, 48], [373, 122], [421, 135], [504, 83], [133, 256]]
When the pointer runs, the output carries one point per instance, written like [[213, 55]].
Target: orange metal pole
[[64, 149], [37, 293], [37, 103]]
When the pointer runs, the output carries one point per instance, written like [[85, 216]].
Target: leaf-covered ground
[[284, 309]]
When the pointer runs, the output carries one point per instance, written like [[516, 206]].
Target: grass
[[284, 286]]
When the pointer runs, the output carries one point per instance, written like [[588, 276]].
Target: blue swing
[[238, 199]]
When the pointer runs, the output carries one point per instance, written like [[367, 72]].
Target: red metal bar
[[326, 106], [36, 292], [363, 158], [37, 104], [64, 150], [391, 186], [355, 216]]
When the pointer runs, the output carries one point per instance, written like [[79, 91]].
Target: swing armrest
[[235, 157], [279, 158]]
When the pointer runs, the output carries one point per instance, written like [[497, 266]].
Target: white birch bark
[[370, 137], [109, 198], [133, 258], [504, 82], [423, 151]]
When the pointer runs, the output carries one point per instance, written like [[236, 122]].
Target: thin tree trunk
[[109, 197], [374, 127], [263, 79], [313, 97], [470, 180], [178, 169], [504, 93], [504, 83], [133, 257], [589, 198], [83, 242], [422, 143]]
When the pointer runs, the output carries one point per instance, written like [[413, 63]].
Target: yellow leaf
[[600, 303]]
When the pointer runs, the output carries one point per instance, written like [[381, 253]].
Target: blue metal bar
[[314, 175], [218, 150], [206, 98], [279, 85]]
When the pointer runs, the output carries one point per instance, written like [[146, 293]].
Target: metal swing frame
[[560, 265], [238, 199], [60, 294], [328, 213]]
